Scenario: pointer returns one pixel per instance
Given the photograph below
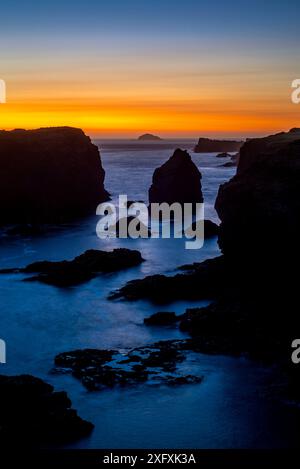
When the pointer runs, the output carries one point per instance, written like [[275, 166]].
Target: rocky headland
[[207, 145], [49, 175]]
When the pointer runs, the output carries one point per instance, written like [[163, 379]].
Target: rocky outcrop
[[32, 413], [100, 369], [82, 268], [234, 161], [49, 175], [177, 180], [207, 145], [260, 207], [203, 280]]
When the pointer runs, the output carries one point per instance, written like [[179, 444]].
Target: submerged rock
[[234, 161], [223, 155], [49, 175], [31, 413], [98, 369], [82, 268], [180, 380], [177, 180], [163, 318]]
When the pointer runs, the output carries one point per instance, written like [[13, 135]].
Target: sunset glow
[[130, 77]]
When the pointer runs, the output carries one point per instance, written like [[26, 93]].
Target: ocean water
[[231, 408]]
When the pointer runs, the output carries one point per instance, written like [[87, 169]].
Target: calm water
[[230, 408]]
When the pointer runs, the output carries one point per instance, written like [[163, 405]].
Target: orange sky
[[121, 88]]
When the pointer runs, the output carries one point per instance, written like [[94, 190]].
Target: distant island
[[207, 145], [149, 137]]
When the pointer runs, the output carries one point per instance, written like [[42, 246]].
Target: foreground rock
[[82, 268], [207, 145], [99, 369], [49, 175], [32, 413], [177, 180]]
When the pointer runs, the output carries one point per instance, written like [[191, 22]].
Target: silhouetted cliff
[[49, 175]]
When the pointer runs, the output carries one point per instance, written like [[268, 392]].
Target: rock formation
[[260, 206], [207, 145], [82, 268], [177, 180], [49, 175], [32, 413], [149, 137]]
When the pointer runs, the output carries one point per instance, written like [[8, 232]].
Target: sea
[[233, 407]]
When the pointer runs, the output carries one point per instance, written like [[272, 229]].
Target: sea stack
[[177, 180], [49, 175]]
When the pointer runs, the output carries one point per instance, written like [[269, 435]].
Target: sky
[[120, 68]]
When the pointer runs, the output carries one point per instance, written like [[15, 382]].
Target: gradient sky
[[122, 68]]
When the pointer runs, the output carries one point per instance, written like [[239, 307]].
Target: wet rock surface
[[100, 369], [200, 281], [82, 268]]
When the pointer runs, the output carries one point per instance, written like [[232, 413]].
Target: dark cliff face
[[206, 145], [49, 175], [260, 207], [177, 180]]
